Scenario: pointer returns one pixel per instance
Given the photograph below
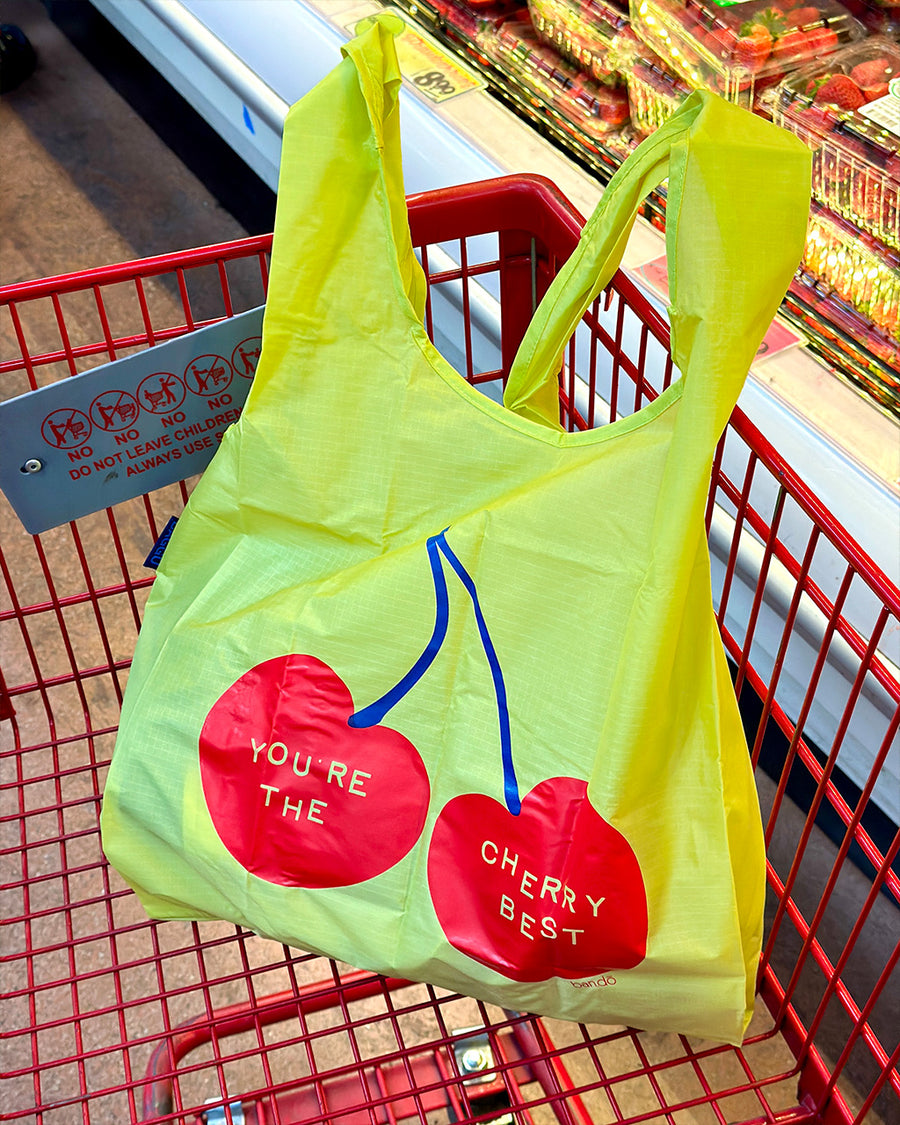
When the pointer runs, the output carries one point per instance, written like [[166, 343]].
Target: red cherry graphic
[[297, 796], [553, 892]]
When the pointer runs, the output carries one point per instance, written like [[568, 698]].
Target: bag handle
[[374, 55], [738, 202], [341, 170]]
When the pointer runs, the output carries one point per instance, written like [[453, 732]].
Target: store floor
[[84, 182]]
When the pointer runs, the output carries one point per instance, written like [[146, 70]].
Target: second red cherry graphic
[[555, 891]]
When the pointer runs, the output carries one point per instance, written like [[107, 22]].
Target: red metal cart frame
[[110, 1017]]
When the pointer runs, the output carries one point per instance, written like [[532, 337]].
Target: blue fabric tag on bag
[[153, 560]]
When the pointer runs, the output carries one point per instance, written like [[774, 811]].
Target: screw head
[[32, 465], [474, 1059]]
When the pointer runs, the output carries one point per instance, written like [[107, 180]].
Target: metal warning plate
[[128, 427]]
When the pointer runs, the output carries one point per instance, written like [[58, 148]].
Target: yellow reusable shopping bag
[[424, 682]]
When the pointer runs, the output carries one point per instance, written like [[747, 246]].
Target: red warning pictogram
[[114, 410], [161, 392], [245, 356], [66, 429], [208, 374]]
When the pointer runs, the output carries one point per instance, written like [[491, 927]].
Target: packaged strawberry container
[[534, 66], [490, 6], [654, 92], [740, 49], [591, 108], [855, 270], [457, 20], [597, 109], [595, 35], [847, 109], [880, 17]]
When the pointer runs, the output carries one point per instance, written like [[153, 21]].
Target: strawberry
[[800, 17], [872, 77], [599, 103], [840, 90], [793, 46], [821, 41], [872, 71], [753, 47], [818, 119], [873, 93]]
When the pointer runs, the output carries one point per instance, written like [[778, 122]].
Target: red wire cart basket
[[109, 1017]]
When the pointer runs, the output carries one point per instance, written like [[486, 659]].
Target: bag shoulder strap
[[375, 57], [738, 202], [341, 173]]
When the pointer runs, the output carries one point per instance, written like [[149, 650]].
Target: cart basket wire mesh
[[109, 1017]]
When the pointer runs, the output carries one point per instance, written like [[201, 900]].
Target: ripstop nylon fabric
[[424, 682]]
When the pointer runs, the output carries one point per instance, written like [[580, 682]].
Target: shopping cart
[[109, 1017]]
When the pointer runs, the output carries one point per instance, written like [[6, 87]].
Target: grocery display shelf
[[870, 360], [241, 63]]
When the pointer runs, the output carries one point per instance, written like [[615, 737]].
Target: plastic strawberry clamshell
[[740, 49], [654, 92], [595, 35], [847, 109], [593, 108], [459, 22], [854, 275]]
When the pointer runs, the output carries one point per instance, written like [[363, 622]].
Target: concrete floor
[[84, 182]]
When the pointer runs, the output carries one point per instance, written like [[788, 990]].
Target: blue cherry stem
[[510, 785], [373, 714]]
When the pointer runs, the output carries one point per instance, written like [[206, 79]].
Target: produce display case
[[741, 49], [844, 109], [561, 63]]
